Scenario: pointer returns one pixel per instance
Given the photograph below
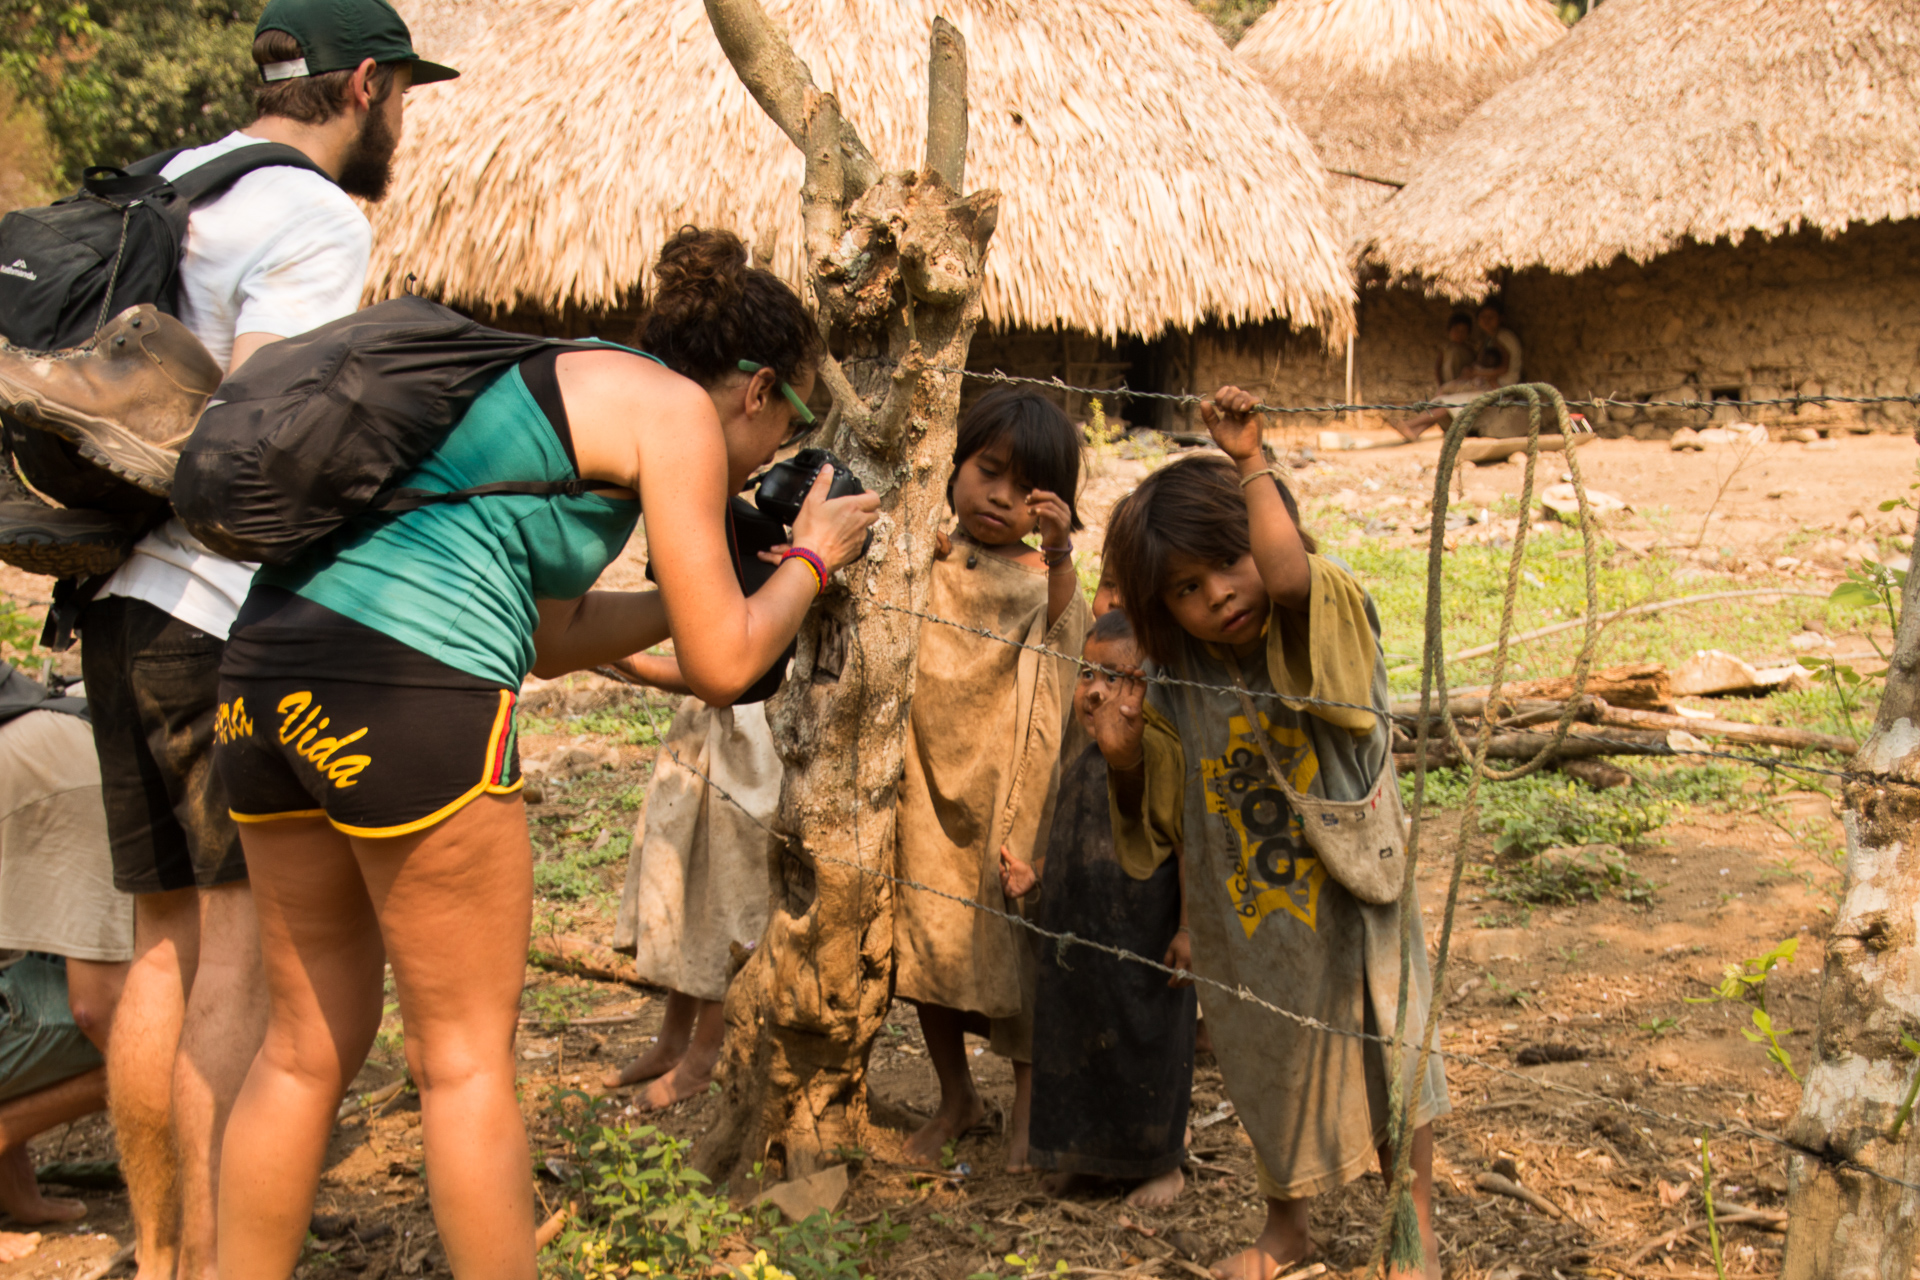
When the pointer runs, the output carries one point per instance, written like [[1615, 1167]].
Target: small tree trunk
[[895, 261], [1843, 1225]]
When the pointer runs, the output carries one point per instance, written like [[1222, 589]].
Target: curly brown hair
[[712, 309]]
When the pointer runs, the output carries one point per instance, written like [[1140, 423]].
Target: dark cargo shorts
[[153, 688]]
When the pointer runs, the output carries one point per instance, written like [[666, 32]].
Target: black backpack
[[67, 268], [314, 430]]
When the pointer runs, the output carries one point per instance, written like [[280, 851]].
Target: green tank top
[[458, 580]]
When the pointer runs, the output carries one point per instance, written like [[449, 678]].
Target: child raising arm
[[1224, 590]]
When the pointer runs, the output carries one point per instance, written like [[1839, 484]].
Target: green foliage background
[[114, 82]]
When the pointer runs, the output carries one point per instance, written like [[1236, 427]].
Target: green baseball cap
[[338, 35]]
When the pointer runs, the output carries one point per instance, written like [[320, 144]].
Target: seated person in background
[[66, 936], [1456, 354], [1496, 365]]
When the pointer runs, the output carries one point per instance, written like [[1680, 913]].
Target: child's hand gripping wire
[[1180, 956], [1232, 423]]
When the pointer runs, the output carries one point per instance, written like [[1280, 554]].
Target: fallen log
[[1525, 712], [1485, 451], [1526, 745], [1759, 735], [1645, 686], [1508, 1187], [581, 958]]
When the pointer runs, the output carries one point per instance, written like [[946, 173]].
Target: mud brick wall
[[1798, 315]]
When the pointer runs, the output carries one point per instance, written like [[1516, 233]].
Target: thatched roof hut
[[1148, 180], [1376, 83], [1659, 122]]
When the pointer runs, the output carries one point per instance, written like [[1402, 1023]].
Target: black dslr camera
[[786, 485]]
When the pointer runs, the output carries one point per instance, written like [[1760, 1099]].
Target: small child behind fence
[[1223, 590], [1112, 1040], [983, 747]]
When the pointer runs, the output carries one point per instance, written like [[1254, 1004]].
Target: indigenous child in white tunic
[[983, 747], [1223, 590]]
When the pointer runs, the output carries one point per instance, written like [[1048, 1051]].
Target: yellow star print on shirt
[[1276, 869]]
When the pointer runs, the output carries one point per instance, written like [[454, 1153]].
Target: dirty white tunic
[[698, 881]]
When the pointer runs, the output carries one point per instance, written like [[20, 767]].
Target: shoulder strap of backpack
[[221, 172], [395, 501]]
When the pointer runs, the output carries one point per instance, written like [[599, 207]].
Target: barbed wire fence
[[1434, 715]]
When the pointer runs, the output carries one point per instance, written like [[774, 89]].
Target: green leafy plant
[[1527, 820], [1747, 982], [1906, 1106], [823, 1247], [1563, 881], [1658, 1027], [556, 1005], [641, 1208]]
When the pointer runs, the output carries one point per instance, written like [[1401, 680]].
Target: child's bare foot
[[657, 1061], [690, 1076], [1158, 1193], [1283, 1243], [949, 1124]]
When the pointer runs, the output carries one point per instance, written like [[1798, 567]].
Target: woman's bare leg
[[455, 904], [1018, 1141], [320, 945], [676, 1032]]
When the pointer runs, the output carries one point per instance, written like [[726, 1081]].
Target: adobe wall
[[1797, 315]]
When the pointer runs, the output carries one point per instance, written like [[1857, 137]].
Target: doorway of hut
[[1083, 360]]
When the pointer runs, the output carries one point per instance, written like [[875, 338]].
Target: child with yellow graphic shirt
[[1223, 589]]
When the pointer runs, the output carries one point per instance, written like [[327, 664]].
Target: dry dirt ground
[[1600, 989]]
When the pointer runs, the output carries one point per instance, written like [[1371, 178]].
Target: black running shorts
[[321, 716]]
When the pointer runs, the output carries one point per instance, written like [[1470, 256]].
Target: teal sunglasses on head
[[800, 409]]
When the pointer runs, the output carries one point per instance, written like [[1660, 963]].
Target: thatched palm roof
[[1375, 83], [1656, 122], [1147, 179], [442, 28]]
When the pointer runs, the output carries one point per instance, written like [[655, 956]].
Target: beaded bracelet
[[812, 562]]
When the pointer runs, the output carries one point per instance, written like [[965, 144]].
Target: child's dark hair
[[1044, 445], [712, 309], [1193, 507], [1459, 320], [1112, 627]]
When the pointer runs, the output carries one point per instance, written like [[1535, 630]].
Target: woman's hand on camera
[[835, 530]]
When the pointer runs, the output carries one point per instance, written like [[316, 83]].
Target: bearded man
[[280, 251]]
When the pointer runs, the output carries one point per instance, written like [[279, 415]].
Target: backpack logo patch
[[18, 267]]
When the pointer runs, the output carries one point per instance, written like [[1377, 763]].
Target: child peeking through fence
[[983, 746], [1112, 1040], [1224, 589]]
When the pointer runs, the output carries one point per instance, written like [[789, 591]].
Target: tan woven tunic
[[982, 766]]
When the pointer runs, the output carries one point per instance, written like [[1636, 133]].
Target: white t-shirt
[[281, 251], [1510, 344]]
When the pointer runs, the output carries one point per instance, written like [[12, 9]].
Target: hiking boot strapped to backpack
[[97, 379]]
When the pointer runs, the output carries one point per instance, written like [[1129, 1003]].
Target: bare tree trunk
[[1842, 1224], [895, 261]]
